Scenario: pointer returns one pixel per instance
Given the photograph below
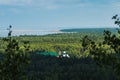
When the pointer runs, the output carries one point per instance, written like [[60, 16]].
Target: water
[[29, 32], [16, 32], [91, 30]]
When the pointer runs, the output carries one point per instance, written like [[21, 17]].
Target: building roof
[[48, 53]]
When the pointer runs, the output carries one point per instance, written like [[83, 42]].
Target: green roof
[[48, 53]]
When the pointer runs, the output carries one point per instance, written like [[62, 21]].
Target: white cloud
[[48, 4], [14, 10], [51, 7], [10, 11], [37, 2], [15, 2], [54, 4], [2, 13], [116, 4]]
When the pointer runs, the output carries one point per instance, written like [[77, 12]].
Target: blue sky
[[53, 14]]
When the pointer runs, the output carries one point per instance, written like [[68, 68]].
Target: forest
[[70, 42], [93, 56]]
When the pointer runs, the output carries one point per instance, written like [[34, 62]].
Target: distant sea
[[86, 30], [3, 33], [29, 32]]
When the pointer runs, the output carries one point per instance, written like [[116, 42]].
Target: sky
[[55, 14]]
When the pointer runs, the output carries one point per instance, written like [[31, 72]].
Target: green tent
[[48, 53]]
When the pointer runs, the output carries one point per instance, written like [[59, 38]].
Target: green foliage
[[14, 61], [71, 42], [117, 21], [53, 68], [93, 57], [101, 55]]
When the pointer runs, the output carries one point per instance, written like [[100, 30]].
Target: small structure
[[48, 53], [64, 54], [60, 54]]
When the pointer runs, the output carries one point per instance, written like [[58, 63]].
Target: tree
[[15, 59], [99, 53]]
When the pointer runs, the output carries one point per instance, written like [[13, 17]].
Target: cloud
[[6, 11], [14, 10], [2, 13], [47, 4], [15, 2], [54, 4], [37, 2], [116, 4], [51, 7]]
